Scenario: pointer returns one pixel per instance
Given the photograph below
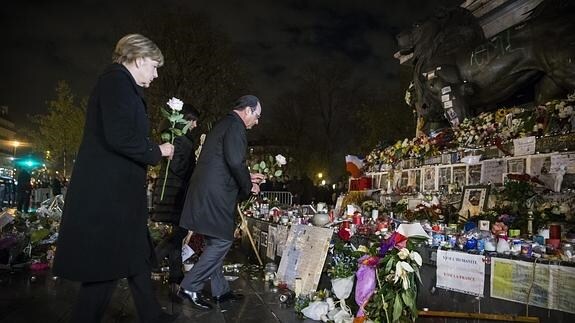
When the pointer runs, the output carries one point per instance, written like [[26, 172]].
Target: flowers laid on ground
[[394, 298], [174, 117]]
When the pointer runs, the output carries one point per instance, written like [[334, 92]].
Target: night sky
[[47, 41]]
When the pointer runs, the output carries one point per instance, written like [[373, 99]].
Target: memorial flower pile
[[487, 129]]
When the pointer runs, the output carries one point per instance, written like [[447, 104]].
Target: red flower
[[344, 234]]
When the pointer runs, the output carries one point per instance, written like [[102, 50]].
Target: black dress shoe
[[229, 296], [195, 299]]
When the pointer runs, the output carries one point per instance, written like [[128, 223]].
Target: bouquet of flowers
[[394, 297], [174, 117]]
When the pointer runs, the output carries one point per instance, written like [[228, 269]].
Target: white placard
[[446, 90], [187, 252], [524, 146], [445, 97], [460, 272], [567, 161], [492, 171], [447, 104]]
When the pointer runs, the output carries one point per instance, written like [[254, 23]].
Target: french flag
[[354, 164]]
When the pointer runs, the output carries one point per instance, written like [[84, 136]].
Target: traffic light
[[27, 163]]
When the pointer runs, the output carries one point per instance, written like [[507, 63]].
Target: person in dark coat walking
[[167, 209], [103, 233], [23, 190], [221, 178]]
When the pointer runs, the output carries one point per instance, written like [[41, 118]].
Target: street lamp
[[15, 144]]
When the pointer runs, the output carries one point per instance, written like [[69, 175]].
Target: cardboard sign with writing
[[304, 256]]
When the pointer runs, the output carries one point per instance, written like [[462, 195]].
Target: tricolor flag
[[354, 164]]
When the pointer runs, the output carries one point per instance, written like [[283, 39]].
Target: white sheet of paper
[[412, 230], [524, 146], [187, 252]]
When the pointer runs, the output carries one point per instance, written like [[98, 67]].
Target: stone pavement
[[39, 297]]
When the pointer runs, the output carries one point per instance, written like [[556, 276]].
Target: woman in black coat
[[103, 233], [168, 208]]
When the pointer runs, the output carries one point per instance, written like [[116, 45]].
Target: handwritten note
[[524, 146], [492, 171]]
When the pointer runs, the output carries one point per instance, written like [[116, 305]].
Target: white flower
[[403, 253], [415, 256], [281, 160], [402, 269], [175, 104]]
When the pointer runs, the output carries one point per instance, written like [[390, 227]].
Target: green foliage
[[60, 129]]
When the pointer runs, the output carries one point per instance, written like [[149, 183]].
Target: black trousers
[[94, 297], [23, 204], [171, 247]]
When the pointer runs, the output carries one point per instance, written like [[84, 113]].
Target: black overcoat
[[103, 233], [220, 178], [181, 168]]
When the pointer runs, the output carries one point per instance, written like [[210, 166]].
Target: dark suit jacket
[[181, 168], [103, 233], [219, 179]]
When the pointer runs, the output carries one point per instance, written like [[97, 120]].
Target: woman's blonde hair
[[134, 46]]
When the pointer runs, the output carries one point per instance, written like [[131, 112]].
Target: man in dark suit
[[221, 178], [103, 233]]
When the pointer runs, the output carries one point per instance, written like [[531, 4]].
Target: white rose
[[281, 160], [175, 104], [403, 254]]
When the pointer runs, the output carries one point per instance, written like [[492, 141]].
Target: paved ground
[[39, 297]]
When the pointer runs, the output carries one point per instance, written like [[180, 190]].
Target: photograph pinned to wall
[[429, 179], [492, 170], [474, 174], [473, 201], [396, 181], [404, 179], [414, 179], [460, 176], [540, 165], [564, 162], [516, 166], [444, 177]]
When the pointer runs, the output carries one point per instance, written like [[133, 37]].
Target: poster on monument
[[563, 162], [304, 256], [460, 175], [524, 146], [429, 179], [513, 280], [460, 272], [562, 288], [280, 239], [492, 171], [271, 250]]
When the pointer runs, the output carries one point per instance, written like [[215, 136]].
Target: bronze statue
[[459, 74]]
